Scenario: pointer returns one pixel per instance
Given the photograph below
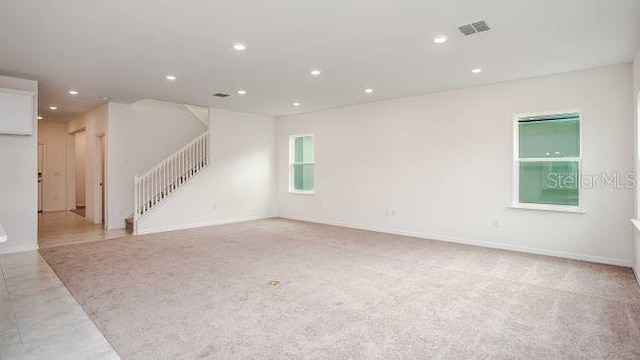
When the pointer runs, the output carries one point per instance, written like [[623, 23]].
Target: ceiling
[[124, 49]]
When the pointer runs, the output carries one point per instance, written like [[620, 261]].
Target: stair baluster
[[151, 188]]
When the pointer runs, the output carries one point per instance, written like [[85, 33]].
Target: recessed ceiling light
[[440, 39], [239, 46], [316, 72], [73, 92], [476, 71], [242, 92], [53, 107], [171, 77], [296, 104], [105, 98], [368, 91], [40, 117]]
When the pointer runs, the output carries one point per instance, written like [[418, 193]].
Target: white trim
[[561, 159], [636, 244], [515, 198], [548, 207], [487, 244], [203, 224], [302, 192]]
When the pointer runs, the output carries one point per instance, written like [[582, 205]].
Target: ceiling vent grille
[[474, 28], [221, 95]]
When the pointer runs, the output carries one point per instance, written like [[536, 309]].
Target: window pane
[[549, 138], [298, 149], [303, 177], [547, 182], [308, 149]]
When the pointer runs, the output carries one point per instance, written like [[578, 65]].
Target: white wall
[[443, 162], [80, 151], [238, 185], [95, 124], [53, 135], [18, 180], [141, 135]]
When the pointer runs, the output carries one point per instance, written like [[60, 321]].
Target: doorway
[[40, 177], [77, 161], [101, 156], [80, 165]]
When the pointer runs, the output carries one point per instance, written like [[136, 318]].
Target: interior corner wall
[[443, 163], [53, 136], [140, 136], [94, 124], [636, 115], [18, 183], [238, 185]]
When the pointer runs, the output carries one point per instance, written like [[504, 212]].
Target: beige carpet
[[344, 293]]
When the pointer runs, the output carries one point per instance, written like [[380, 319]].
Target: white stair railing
[[200, 112], [169, 175]]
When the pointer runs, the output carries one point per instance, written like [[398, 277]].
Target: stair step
[[129, 224]]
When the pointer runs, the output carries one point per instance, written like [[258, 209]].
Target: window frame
[[292, 140], [516, 204]]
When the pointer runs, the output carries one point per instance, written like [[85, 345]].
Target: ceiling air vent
[[474, 28], [221, 95]]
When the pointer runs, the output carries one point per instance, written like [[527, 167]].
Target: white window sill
[[301, 192], [557, 208]]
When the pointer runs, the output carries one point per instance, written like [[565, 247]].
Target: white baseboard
[[487, 244], [17, 249], [203, 224]]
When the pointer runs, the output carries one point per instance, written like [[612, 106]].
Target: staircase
[[166, 177]]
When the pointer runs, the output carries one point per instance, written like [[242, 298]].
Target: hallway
[[57, 228]]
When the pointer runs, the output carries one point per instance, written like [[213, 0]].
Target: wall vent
[[474, 28], [221, 95]]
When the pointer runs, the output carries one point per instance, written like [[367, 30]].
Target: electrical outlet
[[215, 206], [496, 222]]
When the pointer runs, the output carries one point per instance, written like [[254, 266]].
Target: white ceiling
[[124, 49]]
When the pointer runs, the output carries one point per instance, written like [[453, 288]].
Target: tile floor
[[39, 319], [57, 228]]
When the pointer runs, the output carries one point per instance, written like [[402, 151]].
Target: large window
[[547, 161], [301, 164]]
